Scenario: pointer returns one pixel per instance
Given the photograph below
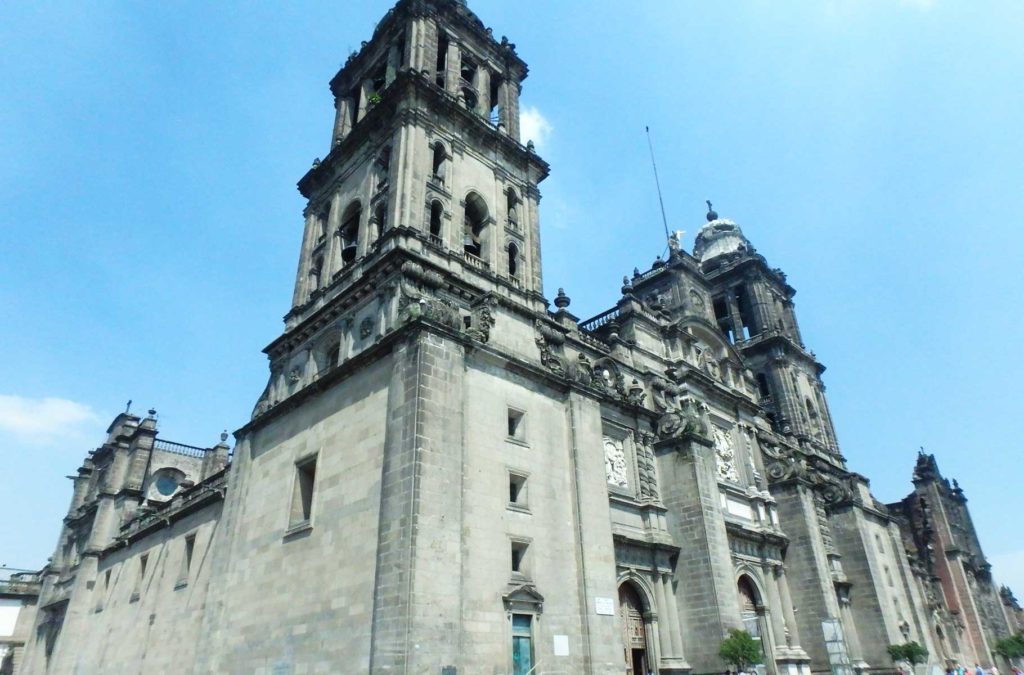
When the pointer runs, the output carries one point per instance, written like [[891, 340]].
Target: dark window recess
[[746, 312], [513, 260], [516, 426], [350, 233], [436, 216], [722, 318], [441, 66], [302, 495], [380, 218], [519, 556], [516, 489], [762, 386], [474, 223]]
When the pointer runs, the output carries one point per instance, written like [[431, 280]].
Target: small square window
[[517, 489], [516, 424], [519, 549], [302, 493]]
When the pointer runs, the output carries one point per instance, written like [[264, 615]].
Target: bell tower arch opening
[[475, 219]]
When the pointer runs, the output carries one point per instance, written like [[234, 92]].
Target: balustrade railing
[[178, 448]]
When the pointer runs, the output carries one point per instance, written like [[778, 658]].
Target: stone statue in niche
[[615, 462], [365, 328], [725, 454]]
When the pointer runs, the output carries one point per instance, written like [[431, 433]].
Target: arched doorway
[[634, 632], [752, 613]]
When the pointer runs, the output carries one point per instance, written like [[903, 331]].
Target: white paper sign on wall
[[604, 606], [561, 645]]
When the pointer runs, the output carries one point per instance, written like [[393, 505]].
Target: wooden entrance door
[[634, 632]]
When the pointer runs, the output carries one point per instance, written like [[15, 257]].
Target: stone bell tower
[[424, 155], [753, 307]]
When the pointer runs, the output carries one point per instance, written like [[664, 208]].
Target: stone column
[[787, 606], [393, 62], [775, 614], [302, 276], [510, 109], [342, 119], [453, 69], [664, 633], [675, 633], [483, 90], [734, 317], [364, 98]]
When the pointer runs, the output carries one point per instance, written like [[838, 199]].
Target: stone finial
[[152, 412], [711, 212], [627, 285], [224, 436], [316, 162], [530, 146], [562, 300]]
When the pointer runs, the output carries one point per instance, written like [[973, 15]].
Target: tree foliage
[[911, 652], [740, 649], [1011, 647]]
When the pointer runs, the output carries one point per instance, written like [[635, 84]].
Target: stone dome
[[719, 237]]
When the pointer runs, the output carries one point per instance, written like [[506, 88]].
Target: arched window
[[513, 260], [510, 203], [321, 223], [474, 224], [438, 163], [436, 217], [327, 355], [349, 232], [316, 273], [380, 218], [383, 168]]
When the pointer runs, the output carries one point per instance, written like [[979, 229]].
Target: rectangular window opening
[[519, 557], [516, 425], [302, 493], [186, 560], [517, 489]]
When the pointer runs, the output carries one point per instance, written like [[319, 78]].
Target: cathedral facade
[[447, 475]]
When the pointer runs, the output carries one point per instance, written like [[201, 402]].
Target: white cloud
[[45, 419], [533, 126], [1008, 569]]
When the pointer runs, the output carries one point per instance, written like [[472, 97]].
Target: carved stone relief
[[725, 454], [615, 466]]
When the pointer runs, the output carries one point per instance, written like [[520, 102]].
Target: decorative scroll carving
[[547, 341], [682, 417], [615, 462], [725, 454], [418, 297], [482, 318]]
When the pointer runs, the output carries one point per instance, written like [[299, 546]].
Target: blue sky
[[149, 221]]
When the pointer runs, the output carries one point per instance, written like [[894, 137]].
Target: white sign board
[[561, 645], [604, 606]]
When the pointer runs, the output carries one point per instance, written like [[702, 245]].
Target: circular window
[[166, 484]]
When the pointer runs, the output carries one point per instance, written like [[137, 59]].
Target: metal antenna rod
[[657, 183]]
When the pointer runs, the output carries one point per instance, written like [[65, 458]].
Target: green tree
[[1011, 647], [911, 652], [740, 649]]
